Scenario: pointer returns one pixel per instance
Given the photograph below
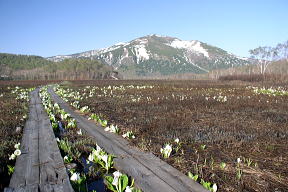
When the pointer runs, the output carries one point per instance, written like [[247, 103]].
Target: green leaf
[[191, 176], [108, 183], [124, 181], [10, 169]]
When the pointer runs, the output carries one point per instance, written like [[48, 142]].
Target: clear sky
[[55, 27]]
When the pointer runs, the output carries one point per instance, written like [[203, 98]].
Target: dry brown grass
[[246, 126]]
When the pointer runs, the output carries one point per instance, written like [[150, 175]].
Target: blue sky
[[53, 27]]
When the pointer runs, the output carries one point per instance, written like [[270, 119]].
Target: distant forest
[[36, 67]]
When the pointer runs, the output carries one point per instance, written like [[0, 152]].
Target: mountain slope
[[154, 55]]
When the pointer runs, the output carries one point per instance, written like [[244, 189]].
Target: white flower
[[98, 148], [129, 135], [12, 157], [113, 128], [75, 177], [176, 140], [65, 158], [105, 158], [166, 151], [17, 152], [116, 174], [79, 132], [91, 157], [17, 146], [214, 187], [238, 160], [57, 139], [107, 129], [56, 105], [128, 189]]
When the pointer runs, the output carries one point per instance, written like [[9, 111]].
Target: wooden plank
[[150, 173], [53, 174], [30, 188], [25, 172], [52, 170], [40, 167]]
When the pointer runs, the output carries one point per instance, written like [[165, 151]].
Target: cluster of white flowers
[[22, 94], [85, 109], [100, 157], [16, 153], [129, 135], [112, 129], [270, 91], [218, 98]]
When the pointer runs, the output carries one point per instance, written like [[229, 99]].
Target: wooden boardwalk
[[151, 174], [40, 167]]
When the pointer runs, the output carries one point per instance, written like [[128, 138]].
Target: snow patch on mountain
[[194, 46], [112, 48], [141, 52], [141, 41], [242, 58], [121, 44], [89, 53], [125, 55]]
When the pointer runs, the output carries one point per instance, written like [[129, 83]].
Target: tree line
[[37, 68]]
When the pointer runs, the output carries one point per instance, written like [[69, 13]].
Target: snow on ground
[[194, 46]]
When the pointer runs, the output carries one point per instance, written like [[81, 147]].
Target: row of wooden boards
[[40, 166]]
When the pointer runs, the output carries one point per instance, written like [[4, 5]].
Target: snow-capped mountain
[[154, 54]]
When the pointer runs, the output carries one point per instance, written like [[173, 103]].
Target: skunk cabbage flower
[[12, 157], [75, 177], [17, 152], [116, 175], [166, 151], [214, 187], [79, 132], [128, 189], [17, 146]]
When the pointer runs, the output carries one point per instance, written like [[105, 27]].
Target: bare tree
[[263, 56], [283, 50]]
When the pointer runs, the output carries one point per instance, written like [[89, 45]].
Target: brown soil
[[252, 127]]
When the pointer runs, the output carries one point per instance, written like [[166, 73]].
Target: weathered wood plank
[[30, 188], [25, 171], [52, 169], [53, 175], [40, 167], [150, 173]]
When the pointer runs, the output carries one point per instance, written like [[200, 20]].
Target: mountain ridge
[[162, 55]]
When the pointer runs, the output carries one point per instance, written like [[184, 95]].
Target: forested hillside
[[20, 62], [36, 67]]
